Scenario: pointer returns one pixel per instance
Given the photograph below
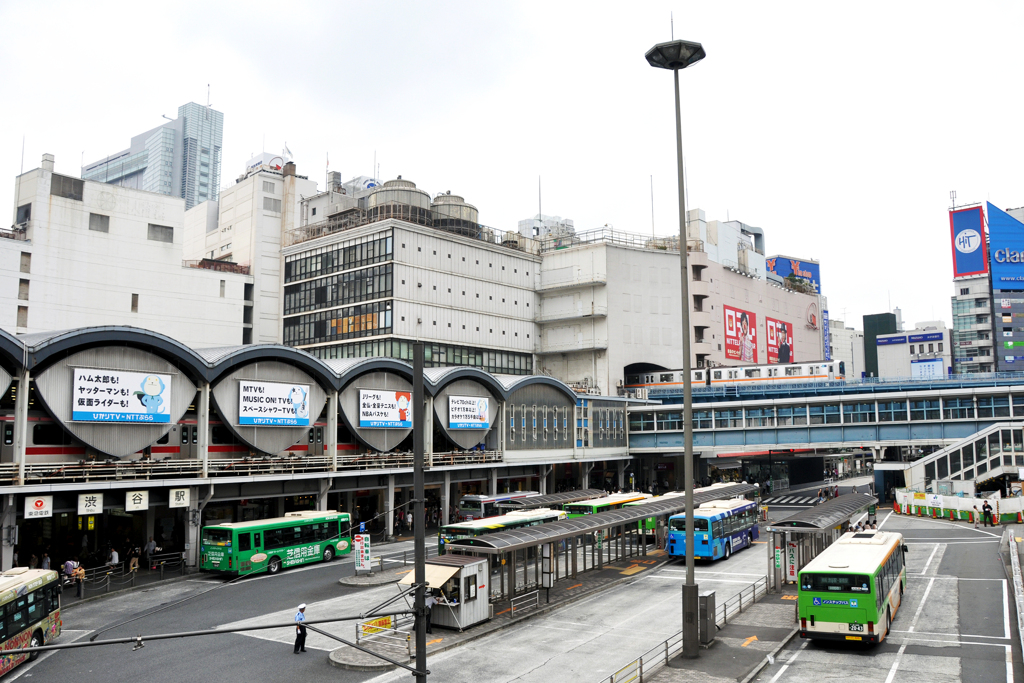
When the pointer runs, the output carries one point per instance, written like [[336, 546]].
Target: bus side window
[[256, 540], [716, 529], [244, 542]]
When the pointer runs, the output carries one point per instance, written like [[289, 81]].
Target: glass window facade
[[892, 411], [352, 322], [339, 257], [435, 355], [337, 290]]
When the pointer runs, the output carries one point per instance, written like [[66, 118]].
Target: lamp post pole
[[677, 55], [418, 517]]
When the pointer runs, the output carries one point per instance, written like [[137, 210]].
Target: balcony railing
[[19, 232], [150, 470]]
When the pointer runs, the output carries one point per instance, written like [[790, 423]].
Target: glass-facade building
[[180, 158]]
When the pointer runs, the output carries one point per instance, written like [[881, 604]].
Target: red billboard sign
[[780, 340], [740, 335]]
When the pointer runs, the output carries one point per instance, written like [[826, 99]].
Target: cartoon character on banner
[[404, 398], [151, 395], [298, 398], [481, 410]]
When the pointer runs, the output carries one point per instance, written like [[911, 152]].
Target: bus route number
[[856, 627]]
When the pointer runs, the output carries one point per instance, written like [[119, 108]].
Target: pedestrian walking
[[976, 516], [45, 564], [300, 629], [986, 511], [149, 550], [78, 576], [854, 488], [836, 491], [429, 603], [133, 559]]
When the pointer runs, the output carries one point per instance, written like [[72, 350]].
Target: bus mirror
[[905, 550]]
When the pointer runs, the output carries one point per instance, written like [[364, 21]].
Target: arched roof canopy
[[436, 379], [45, 348], [12, 353], [349, 369], [512, 383], [224, 359]]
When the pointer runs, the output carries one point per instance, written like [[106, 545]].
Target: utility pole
[[420, 578]]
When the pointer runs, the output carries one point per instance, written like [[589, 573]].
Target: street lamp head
[[677, 54]]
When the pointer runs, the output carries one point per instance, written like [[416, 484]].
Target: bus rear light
[[229, 562], [803, 623], [871, 627]]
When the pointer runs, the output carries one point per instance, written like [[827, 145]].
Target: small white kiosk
[[459, 584]]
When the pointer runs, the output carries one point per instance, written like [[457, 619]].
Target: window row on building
[[366, 320], [1005, 447], [337, 290], [852, 412], [435, 355], [357, 253]]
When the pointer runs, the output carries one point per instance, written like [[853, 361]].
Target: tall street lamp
[[677, 55]]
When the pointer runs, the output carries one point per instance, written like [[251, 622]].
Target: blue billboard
[[967, 232], [1006, 245], [784, 266]]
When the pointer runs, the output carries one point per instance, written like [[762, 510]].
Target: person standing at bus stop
[[300, 629]]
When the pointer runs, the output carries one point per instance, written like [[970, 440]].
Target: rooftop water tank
[[453, 214], [399, 199]]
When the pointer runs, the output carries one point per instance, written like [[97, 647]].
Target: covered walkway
[[800, 538], [538, 556], [551, 500]]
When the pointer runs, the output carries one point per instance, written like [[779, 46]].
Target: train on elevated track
[[745, 375]]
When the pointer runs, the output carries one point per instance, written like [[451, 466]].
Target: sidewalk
[[566, 591], [109, 584], [741, 646]]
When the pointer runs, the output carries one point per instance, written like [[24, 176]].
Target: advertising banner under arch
[[385, 409], [468, 412], [120, 396], [273, 404]]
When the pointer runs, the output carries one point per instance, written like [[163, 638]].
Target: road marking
[[632, 569], [1009, 665], [928, 563], [952, 635], [791, 660], [882, 523], [508, 609], [680, 578], [913, 623], [434, 641], [1006, 610], [576, 586], [748, 641], [790, 597]]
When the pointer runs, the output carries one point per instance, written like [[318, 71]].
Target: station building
[[119, 432]]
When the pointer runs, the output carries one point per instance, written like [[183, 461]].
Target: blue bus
[[720, 527]]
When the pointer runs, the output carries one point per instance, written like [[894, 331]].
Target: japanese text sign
[[120, 396], [468, 412], [38, 506], [385, 409], [273, 404], [135, 501], [178, 498], [90, 503]]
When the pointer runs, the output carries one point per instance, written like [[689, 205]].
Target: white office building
[[847, 345], [972, 325], [85, 253], [243, 232], [924, 352]]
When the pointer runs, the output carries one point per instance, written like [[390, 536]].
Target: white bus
[[477, 507], [479, 527]]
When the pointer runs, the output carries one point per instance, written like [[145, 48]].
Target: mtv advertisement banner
[[468, 412], [967, 230], [385, 409], [780, 341], [273, 404], [1006, 240], [120, 396], [740, 335]]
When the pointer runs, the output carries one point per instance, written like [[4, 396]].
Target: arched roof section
[[347, 369], [44, 348], [513, 382], [437, 378], [12, 352], [224, 359]]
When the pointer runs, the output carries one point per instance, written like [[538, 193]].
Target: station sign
[[178, 498], [136, 501], [361, 549], [120, 396], [468, 412], [90, 503], [38, 506], [273, 404], [385, 409]]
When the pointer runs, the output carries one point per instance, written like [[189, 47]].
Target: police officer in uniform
[[300, 629]]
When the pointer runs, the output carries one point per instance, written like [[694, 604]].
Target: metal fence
[[86, 471], [659, 655], [531, 599]]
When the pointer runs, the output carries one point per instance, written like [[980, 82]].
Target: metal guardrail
[[525, 601], [86, 471], [1018, 586], [659, 655], [368, 632]]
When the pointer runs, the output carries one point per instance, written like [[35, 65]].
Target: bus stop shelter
[[538, 556], [799, 539], [551, 499]]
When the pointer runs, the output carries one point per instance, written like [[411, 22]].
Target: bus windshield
[[836, 583], [698, 524], [217, 536]]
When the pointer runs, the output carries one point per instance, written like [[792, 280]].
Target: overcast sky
[[840, 133]]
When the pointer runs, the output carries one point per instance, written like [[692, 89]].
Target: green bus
[[851, 591], [490, 525], [272, 544], [612, 502]]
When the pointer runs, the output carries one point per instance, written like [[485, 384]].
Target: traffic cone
[[933, 513], [896, 507], [1020, 519], [918, 510], [951, 517]]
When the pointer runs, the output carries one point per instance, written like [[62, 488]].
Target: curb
[[773, 654], [350, 581], [338, 664], [122, 591]]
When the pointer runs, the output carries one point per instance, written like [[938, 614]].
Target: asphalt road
[[203, 602], [955, 626]]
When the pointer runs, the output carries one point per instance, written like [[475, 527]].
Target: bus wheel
[[750, 539], [328, 554], [728, 551], [37, 641], [888, 620], [274, 566]]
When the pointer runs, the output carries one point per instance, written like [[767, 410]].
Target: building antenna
[[672, 26], [540, 213], [952, 199], [207, 95], [22, 156], [652, 205]]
